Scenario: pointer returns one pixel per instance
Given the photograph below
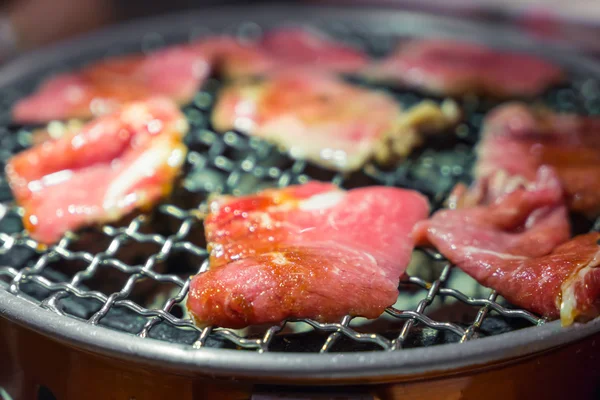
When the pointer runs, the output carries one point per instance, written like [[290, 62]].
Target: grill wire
[[134, 276]]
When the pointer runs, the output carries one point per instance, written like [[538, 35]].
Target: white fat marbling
[[322, 201]]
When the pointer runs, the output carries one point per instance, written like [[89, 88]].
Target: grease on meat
[[103, 86], [514, 236], [113, 165], [306, 251], [325, 120]]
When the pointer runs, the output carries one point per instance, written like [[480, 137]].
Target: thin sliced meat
[[513, 242], [326, 120], [295, 46], [307, 251], [447, 67], [113, 165], [290, 47], [101, 87], [519, 139], [573, 274]]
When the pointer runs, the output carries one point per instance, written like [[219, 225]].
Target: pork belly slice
[[306, 251], [453, 68], [516, 241], [289, 47], [519, 139], [101, 87], [113, 165], [325, 120]]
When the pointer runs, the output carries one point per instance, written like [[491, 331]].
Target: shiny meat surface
[[178, 71], [306, 251], [290, 47], [111, 166], [571, 277], [519, 139], [446, 67], [101, 87], [327, 121], [508, 241]]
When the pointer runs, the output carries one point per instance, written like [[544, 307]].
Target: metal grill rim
[[121, 235]]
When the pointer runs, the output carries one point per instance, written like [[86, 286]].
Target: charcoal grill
[[106, 303]]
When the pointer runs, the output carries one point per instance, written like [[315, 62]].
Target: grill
[[120, 289]]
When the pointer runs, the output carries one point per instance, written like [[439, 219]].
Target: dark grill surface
[[133, 276]]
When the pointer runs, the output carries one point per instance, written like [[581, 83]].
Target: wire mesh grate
[[134, 276]]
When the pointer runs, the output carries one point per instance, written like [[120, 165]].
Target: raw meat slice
[[327, 121], [519, 139], [447, 67], [513, 241], [573, 275], [290, 47], [301, 46], [113, 165], [306, 251], [101, 87]]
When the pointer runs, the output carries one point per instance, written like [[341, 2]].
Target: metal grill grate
[[133, 277]]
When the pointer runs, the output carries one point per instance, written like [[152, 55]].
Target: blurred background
[[28, 24]]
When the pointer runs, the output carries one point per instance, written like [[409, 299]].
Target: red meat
[[291, 47], [100, 88], [308, 251], [325, 120], [508, 241], [447, 67], [113, 165], [519, 139]]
